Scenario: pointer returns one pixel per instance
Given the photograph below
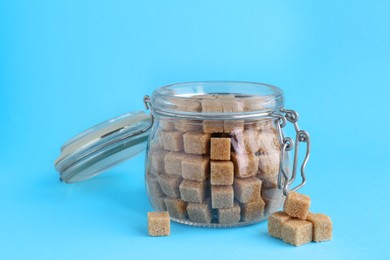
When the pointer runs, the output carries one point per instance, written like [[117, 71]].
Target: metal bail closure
[[284, 177], [103, 146]]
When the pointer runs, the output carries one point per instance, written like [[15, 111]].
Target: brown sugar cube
[[165, 125], [220, 148], [155, 146], [196, 142], [229, 216], [222, 196], [253, 210], [172, 162], [265, 126], [188, 105], [192, 191], [269, 164], [158, 224], [259, 103], [251, 140], [322, 227], [150, 170], [185, 125], [272, 204], [297, 205], [229, 126], [217, 96], [271, 193], [209, 106], [158, 202], [157, 161], [173, 140], [153, 187], [170, 185], [200, 212], [237, 141], [221, 172], [275, 222], [195, 167], [247, 189], [269, 181], [176, 208], [245, 165], [232, 106], [268, 142], [297, 232], [213, 126]]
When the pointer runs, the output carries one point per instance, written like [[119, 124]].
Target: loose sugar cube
[[297, 232], [172, 161], [297, 205], [221, 172], [322, 227], [192, 191], [185, 125], [195, 167], [157, 161], [165, 125], [199, 212], [173, 140], [196, 143], [247, 189], [170, 185], [176, 208], [220, 149], [158, 224], [222, 196], [253, 210], [153, 187], [275, 222], [245, 165], [229, 216], [269, 164]]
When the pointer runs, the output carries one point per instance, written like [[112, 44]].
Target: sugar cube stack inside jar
[[214, 152]]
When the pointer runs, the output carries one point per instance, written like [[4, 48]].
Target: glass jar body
[[211, 171]]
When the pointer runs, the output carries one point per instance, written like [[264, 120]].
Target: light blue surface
[[67, 65]]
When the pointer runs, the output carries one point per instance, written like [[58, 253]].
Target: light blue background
[[67, 65]]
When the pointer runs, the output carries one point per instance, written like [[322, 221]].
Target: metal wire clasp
[[148, 106], [284, 177]]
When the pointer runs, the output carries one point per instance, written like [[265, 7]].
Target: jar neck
[[187, 100]]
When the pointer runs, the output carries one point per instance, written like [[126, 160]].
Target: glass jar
[[216, 154]]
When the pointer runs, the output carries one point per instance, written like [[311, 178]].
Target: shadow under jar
[[215, 151]]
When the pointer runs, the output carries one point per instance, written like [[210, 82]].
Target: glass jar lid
[[103, 146]]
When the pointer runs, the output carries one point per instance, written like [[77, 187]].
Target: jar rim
[[258, 99]]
